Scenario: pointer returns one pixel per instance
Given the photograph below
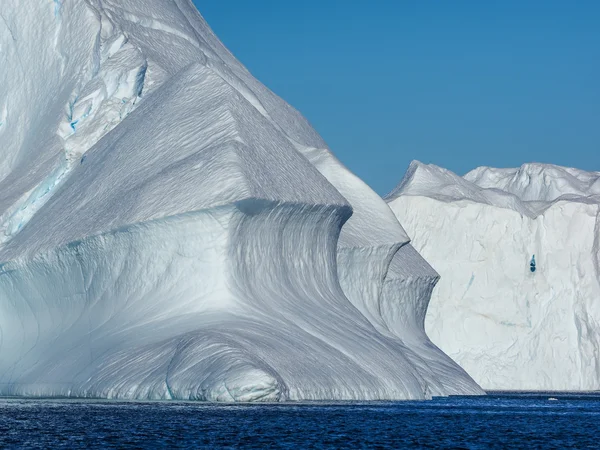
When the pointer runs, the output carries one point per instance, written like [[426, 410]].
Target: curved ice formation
[[171, 229], [518, 304]]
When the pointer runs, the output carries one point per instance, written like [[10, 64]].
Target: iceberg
[[171, 229], [518, 304]]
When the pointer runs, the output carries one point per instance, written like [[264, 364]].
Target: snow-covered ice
[[171, 229], [518, 304]]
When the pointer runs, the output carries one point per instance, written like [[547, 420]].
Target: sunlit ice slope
[[518, 303], [171, 229]]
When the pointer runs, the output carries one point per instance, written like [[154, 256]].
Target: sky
[[459, 84]]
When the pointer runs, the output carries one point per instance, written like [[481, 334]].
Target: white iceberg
[[518, 304], [171, 229]]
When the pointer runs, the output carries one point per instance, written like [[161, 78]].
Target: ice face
[[171, 229], [517, 249]]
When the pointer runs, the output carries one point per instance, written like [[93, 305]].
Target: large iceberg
[[518, 304], [171, 229]]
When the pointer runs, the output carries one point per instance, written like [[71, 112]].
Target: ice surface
[[509, 326], [171, 229]]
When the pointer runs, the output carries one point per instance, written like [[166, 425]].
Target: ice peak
[[529, 189], [537, 181], [431, 180]]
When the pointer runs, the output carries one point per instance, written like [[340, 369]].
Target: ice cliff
[[171, 229], [518, 304]]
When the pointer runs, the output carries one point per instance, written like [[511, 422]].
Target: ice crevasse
[[518, 304], [171, 229]]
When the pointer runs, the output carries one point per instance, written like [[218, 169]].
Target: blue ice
[[139, 81], [57, 6]]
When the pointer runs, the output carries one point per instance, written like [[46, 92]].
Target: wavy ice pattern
[[518, 304], [171, 229]]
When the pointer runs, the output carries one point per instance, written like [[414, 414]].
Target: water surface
[[499, 420]]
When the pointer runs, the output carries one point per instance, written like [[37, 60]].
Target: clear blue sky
[[459, 83]]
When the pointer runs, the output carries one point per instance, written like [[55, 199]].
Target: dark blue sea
[[501, 420]]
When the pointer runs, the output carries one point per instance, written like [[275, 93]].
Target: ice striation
[[171, 229], [518, 304]]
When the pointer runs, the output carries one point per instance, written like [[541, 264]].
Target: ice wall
[[171, 229], [508, 326]]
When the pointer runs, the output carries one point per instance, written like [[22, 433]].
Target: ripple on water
[[497, 421]]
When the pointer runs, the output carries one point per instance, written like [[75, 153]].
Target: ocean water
[[500, 420]]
